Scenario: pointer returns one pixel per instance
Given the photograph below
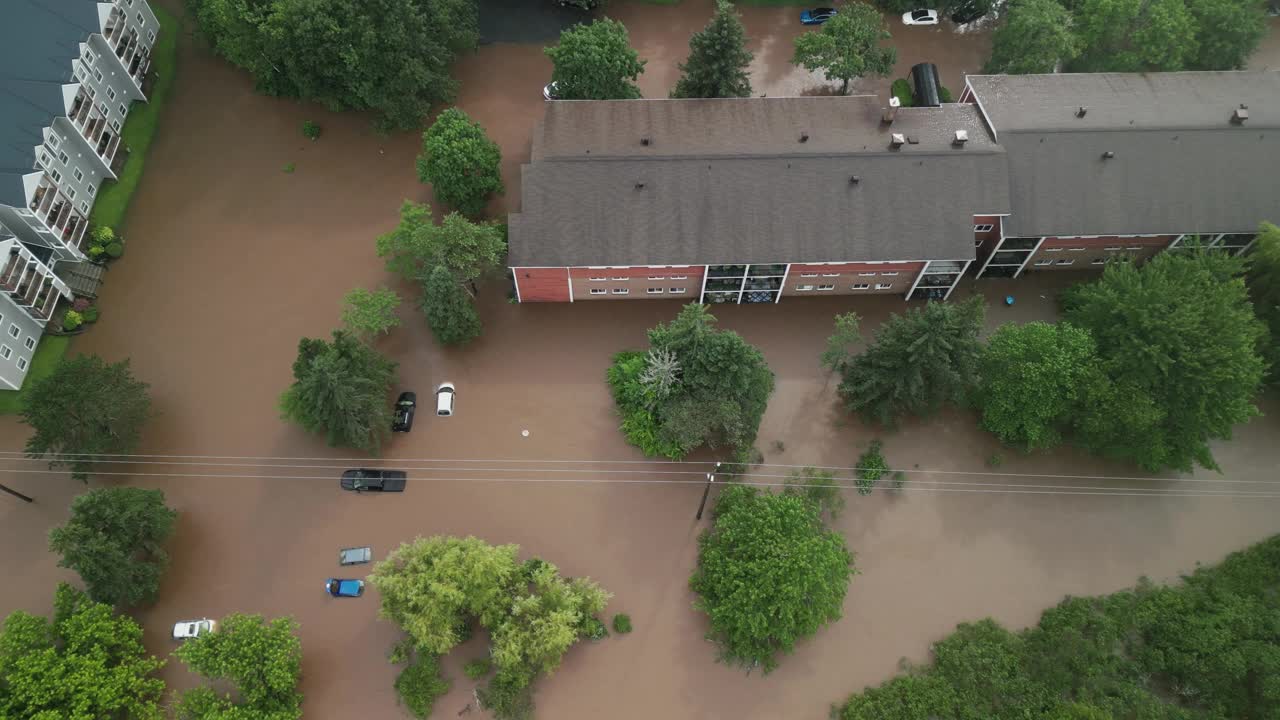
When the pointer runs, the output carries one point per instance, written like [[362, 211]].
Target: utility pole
[[20, 496], [711, 478]]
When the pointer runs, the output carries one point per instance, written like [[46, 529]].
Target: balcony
[[108, 142], [58, 214], [30, 284], [140, 64]]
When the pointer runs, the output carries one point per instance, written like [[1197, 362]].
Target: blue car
[[817, 16], [344, 588]]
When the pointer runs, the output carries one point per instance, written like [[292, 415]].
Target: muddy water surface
[[231, 261]]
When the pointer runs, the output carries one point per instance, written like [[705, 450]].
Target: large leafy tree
[[1178, 340], [262, 659], [595, 62], [85, 408], [460, 162], [450, 313], [115, 543], [847, 46], [1227, 33], [1264, 291], [1134, 36], [546, 618], [389, 56], [418, 245], [769, 574], [87, 663], [1034, 377], [370, 313], [718, 59], [919, 361], [340, 388], [1034, 36]]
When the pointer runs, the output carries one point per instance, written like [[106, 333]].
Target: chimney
[[897, 140], [854, 179], [1240, 115], [804, 137], [962, 137], [639, 186], [1081, 111], [891, 112]]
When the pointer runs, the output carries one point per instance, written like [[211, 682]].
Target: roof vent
[[962, 137], [1240, 115], [804, 137], [644, 141], [891, 112], [1108, 155], [854, 179], [897, 140], [1080, 112], [639, 186]]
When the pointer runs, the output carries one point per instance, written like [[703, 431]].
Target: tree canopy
[[1134, 35], [847, 46], [261, 658], [88, 663], [595, 62], [919, 361], [86, 407], [418, 245], [389, 56], [1034, 37], [370, 313], [758, 598], [450, 313], [718, 59], [1264, 291], [114, 541], [1178, 341], [461, 162], [341, 388]]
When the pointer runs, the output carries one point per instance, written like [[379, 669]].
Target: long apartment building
[[756, 199], [69, 71]]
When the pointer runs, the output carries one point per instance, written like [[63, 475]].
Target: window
[[53, 141], [860, 286], [678, 277], [141, 20], [57, 176], [866, 274], [1077, 249], [22, 364], [808, 274], [884, 286], [111, 93], [620, 277], [79, 176], [830, 274], [115, 125], [71, 193], [598, 291], [597, 279], [124, 109], [14, 331], [102, 106], [803, 288], [656, 277], [1113, 249], [88, 56], [30, 342], [91, 190], [1099, 261], [84, 208], [80, 73], [890, 274], [826, 287], [151, 36], [622, 291], [654, 291], [1066, 262], [1042, 263], [5, 351], [675, 291], [984, 227], [1053, 249], [63, 157], [1134, 249], [97, 74], [978, 242], [44, 158]]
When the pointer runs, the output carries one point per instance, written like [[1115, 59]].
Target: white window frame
[[826, 287], [1099, 261], [124, 109], [141, 20], [656, 277], [1043, 262], [1077, 249], [57, 176], [1053, 249], [53, 140], [597, 279], [870, 274], [1113, 249], [89, 57], [678, 277], [79, 72], [983, 227], [653, 291], [97, 74], [599, 291], [151, 37], [5, 352], [677, 290], [14, 331], [30, 343], [78, 174], [71, 193], [1068, 261], [1136, 248], [111, 93], [830, 274], [803, 288], [808, 275], [84, 207], [103, 107], [63, 157], [115, 126], [621, 278], [44, 158], [622, 291], [884, 286], [22, 364], [91, 190], [860, 286], [889, 274]]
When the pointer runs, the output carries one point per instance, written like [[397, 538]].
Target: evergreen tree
[[718, 59], [450, 312], [461, 162], [341, 389]]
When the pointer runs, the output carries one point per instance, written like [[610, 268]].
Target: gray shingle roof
[[729, 181], [1179, 165]]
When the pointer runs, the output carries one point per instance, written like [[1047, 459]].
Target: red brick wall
[[636, 281], [1055, 253], [542, 284], [1106, 241], [847, 275], [901, 267]]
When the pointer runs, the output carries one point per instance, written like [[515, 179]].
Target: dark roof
[[1180, 164], [729, 181], [38, 41]]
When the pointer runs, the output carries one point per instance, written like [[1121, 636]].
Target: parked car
[[374, 480], [920, 17], [817, 16], [355, 556], [444, 399], [969, 11], [342, 587], [405, 405], [550, 91], [194, 628]]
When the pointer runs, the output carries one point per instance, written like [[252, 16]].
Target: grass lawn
[[47, 356], [140, 127]]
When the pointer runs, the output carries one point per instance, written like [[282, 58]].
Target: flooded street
[[230, 261]]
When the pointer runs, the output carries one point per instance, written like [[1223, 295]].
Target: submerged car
[[551, 91], [920, 17], [444, 399], [342, 587], [194, 628], [355, 556], [406, 404], [817, 16], [374, 480]]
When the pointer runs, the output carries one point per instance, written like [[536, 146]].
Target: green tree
[[461, 162], [1264, 292], [418, 245], [1227, 33], [1035, 36], [1034, 377], [262, 659], [595, 62], [545, 620], [821, 487], [420, 684], [718, 59], [758, 598], [87, 663], [370, 313], [847, 46], [450, 313], [1178, 340], [85, 408], [919, 361], [341, 389], [1134, 36], [389, 56], [114, 541], [840, 344]]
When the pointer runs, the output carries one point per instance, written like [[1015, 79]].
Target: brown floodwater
[[230, 261]]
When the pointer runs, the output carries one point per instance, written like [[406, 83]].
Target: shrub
[[289, 168], [819, 486], [901, 89], [91, 315], [594, 629], [72, 320], [509, 696], [945, 95], [420, 684], [80, 304], [995, 461], [95, 251], [871, 467], [622, 623], [477, 668], [115, 250], [310, 130]]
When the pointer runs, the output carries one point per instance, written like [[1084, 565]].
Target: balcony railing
[[30, 284]]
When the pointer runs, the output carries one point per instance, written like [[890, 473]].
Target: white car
[[194, 628], [920, 17], [444, 399]]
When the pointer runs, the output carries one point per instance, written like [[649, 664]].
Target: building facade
[[757, 199], [69, 72]]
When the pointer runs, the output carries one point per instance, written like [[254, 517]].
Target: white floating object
[[524, 433]]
